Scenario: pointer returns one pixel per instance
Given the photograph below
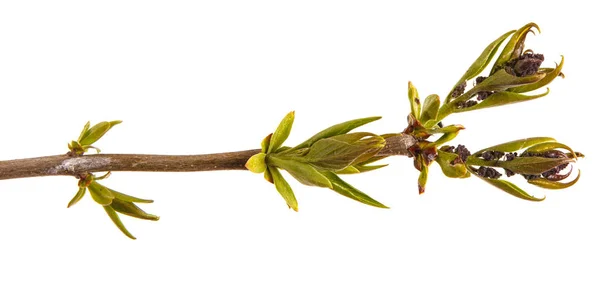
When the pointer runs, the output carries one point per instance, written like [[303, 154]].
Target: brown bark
[[77, 165]]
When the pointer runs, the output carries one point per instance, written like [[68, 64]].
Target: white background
[[192, 78]]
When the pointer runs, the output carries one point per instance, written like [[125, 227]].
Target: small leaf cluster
[[89, 136], [540, 162], [515, 72], [422, 124], [319, 160], [112, 202]]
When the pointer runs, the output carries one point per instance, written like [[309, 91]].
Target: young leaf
[[447, 129], [283, 187], [338, 129], [366, 168], [256, 163], [77, 198], [446, 138], [516, 145], [532, 165], [93, 134], [502, 80], [349, 191], [86, 127], [413, 98], [304, 173], [100, 193], [117, 221], [515, 46], [553, 185], [340, 151], [128, 198], [281, 133], [445, 160], [484, 58], [551, 74], [508, 187], [482, 61], [264, 145], [431, 105], [268, 177], [501, 98], [542, 147], [348, 170], [130, 209]]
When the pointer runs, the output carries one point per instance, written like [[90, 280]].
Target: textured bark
[[77, 165]]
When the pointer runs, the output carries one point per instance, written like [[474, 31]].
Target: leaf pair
[[89, 136], [112, 202], [318, 160]]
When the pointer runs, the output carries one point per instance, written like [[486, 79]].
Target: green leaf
[[447, 129], [338, 129], [515, 46], [551, 74], [508, 187], [93, 134], [553, 185], [502, 80], [516, 145], [349, 170], [77, 198], [532, 165], [283, 187], [281, 133], [85, 129], [349, 191], [482, 61], [522, 165], [501, 98], [431, 105], [366, 168], [340, 151], [304, 173], [267, 175], [413, 98], [542, 147], [100, 193], [76, 147], [445, 159], [130, 209], [445, 138], [256, 163], [117, 221], [264, 145], [129, 198]]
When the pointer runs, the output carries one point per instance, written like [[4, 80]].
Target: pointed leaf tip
[[78, 196], [282, 132], [117, 221], [283, 187]]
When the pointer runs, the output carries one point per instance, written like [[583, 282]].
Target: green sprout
[[505, 73], [319, 160], [112, 202], [89, 136]]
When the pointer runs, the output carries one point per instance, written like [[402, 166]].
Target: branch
[[65, 165]]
